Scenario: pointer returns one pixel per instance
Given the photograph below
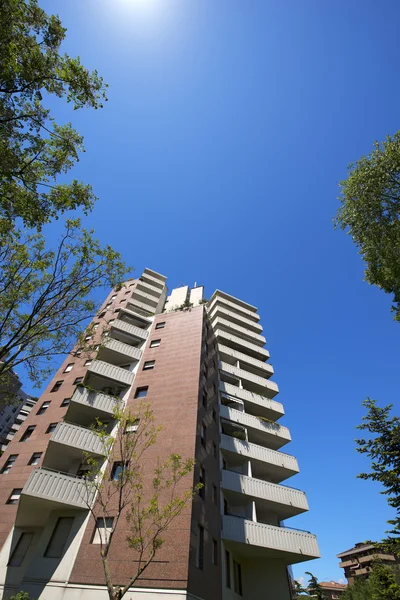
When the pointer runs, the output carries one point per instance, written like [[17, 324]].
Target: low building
[[332, 590], [357, 562]]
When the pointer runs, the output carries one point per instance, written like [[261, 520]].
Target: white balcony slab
[[257, 539], [147, 275], [260, 384], [266, 463], [78, 438], [60, 488], [223, 299], [142, 296], [255, 404], [264, 369], [237, 343], [137, 305], [148, 288], [129, 329], [103, 369], [225, 313], [286, 502], [239, 331], [103, 403], [271, 435], [124, 350]]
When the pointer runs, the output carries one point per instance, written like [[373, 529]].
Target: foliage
[[380, 585], [370, 211], [313, 588], [383, 448], [123, 496], [34, 149], [20, 596], [44, 295]]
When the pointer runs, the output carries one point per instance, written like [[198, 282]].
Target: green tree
[[383, 448], [359, 590], [313, 588], [370, 211], [20, 596], [34, 149], [148, 508], [45, 299], [380, 585]]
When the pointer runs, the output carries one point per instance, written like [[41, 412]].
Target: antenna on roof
[[195, 284]]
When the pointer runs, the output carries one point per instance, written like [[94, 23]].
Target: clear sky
[[217, 160]]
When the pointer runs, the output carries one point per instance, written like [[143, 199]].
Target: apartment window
[[51, 427], [123, 300], [97, 346], [102, 314], [149, 364], [65, 402], [103, 529], [59, 537], [117, 310], [27, 433], [155, 343], [227, 569], [10, 461], [14, 496], [43, 408], [35, 458], [88, 362], [88, 338], [57, 386], [237, 578], [160, 325], [78, 380], [203, 435], [215, 494], [200, 547], [108, 304], [111, 321], [113, 297], [69, 367], [132, 427], [128, 292], [215, 552], [21, 549], [117, 470], [79, 352], [202, 481], [141, 392]]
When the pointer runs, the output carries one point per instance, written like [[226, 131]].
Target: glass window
[[102, 530], [14, 496], [78, 352], [21, 549], [202, 481], [43, 408], [87, 362], [78, 380], [237, 577], [117, 470], [227, 569], [35, 458], [28, 432], [200, 547], [149, 364], [141, 392], [160, 325], [155, 343], [132, 427], [10, 461], [66, 402], [57, 386], [68, 368], [51, 427], [59, 537], [215, 552], [203, 435]]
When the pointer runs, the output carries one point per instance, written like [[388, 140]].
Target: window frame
[[148, 365], [8, 465], [69, 368], [228, 569], [200, 547], [53, 536], [139, 390], [237, 578], [50, 428], [57, 386], [15, 500], [160, 325], [155, 343], [37, 454], [43, 408], [30, 535], [27, 433], [65, 402]]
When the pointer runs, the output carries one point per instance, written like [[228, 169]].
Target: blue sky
[[228, 127]]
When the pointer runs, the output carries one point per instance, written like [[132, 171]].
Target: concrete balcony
[[237, 330], [222, 299], [59, 489], [268, 465], [284, 501], [128, 329], [142, 296], [86, 404], [261, 368], [238, 343], [250, 538], [253, 383], [259, 432], [225, 313], [254, 404], [148, 288], [111, 372], [141, 307], [156, 280], [117, 352], [77, 438]]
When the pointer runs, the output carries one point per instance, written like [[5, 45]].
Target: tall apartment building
[[358, 561], [15, 405], [203, 368]]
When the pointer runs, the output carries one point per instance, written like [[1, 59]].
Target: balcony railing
[[58, 487], [220, 301], [239, 331], [141, 296], [132, 330], [225, 313], [269, 430], [256, 404], [136, 304], [79, 438], [266, 387], [265, 368], [103, 403], [289, 544], [237, 342], [278, 465], [123, 349], [153, 280], [285, 501], [151, 289], [103, 369]]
